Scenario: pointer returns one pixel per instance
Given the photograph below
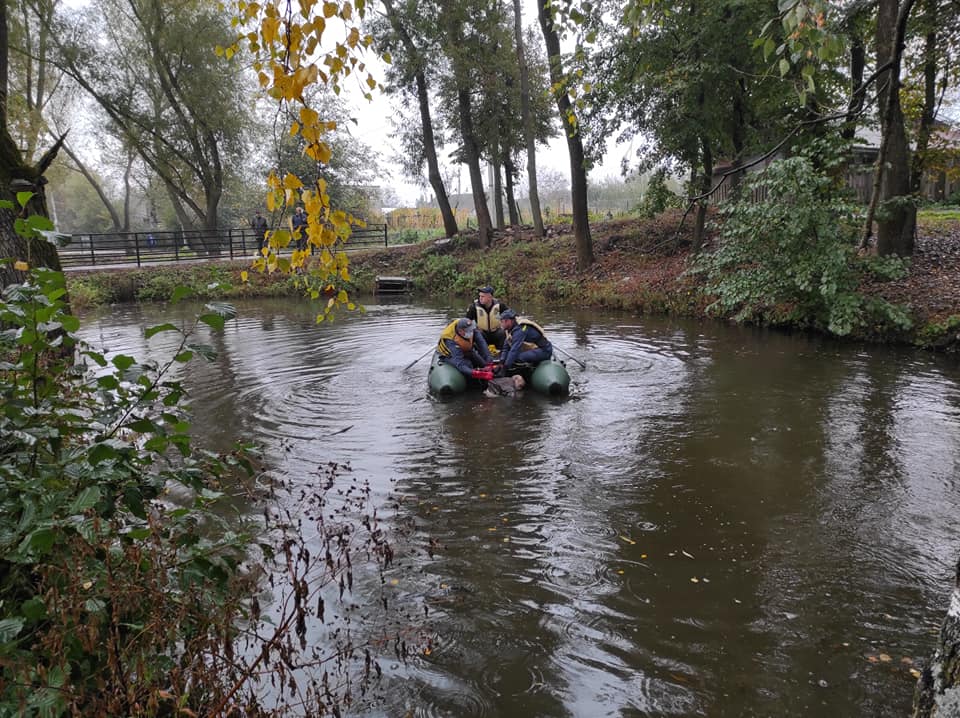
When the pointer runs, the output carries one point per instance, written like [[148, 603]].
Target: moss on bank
[[641, 266]]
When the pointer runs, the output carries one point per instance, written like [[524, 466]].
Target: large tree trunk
[[426, 122], [433, 165], [938, 691], [895, 211], [925, 129], [578, 171], [471, 152], [528, 136], [16, 176]]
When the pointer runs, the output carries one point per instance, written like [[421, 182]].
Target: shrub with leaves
[[117, 599], [790, 256], [658, 196]]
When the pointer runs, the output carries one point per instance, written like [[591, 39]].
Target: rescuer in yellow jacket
[[486, 311], [457, 346], [525, 343]]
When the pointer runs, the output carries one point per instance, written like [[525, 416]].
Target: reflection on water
[[718, 521]]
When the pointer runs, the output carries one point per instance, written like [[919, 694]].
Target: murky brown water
[[719, 521]]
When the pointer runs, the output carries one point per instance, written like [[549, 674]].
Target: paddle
[[570, 356], [418, 358]]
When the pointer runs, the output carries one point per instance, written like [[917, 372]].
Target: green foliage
[[437, 271], [414, 236], [791, 257], [86, 546], [658, 196], [941, 335], [118, 599]]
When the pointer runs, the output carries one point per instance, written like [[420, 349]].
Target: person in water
[[505, 386], [458, 346], [486, 311], [526, 341]]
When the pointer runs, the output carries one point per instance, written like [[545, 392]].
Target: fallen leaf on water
[[695, 580], [907, 661], [21, 266], [873, 659], [394, 582], [885, 658], [643, 555], [620, 571], [628, 540], [681, 679], [914, 672]]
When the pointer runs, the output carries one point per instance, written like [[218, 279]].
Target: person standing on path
[[260, 228]]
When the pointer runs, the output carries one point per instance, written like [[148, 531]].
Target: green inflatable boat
[[549, 377]]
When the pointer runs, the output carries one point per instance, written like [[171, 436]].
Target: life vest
[[530, 323], [488, 321], [450, 332]]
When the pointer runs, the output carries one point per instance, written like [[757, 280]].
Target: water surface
[[718, 521]]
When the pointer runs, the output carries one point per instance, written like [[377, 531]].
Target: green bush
[[117, 600], [437, 271], [791, 256], [658, 196]]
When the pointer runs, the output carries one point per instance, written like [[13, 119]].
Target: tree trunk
[[426, 122], [16, 176], [471, 154], [528, 136], [118, 224], [433, 166], [706, 180], [578, 171], [937, 694], [497, 193], [897, 216], [858, 60], [509, 172]]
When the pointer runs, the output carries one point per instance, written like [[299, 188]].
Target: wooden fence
[[139, 248]]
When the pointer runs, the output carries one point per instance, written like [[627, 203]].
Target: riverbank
[[641, 265]]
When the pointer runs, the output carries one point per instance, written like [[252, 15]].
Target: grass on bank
[[641, 265]]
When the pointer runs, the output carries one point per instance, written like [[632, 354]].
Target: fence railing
[[139, 248]]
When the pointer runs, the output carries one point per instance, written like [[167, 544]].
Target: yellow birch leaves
[[286, 38]]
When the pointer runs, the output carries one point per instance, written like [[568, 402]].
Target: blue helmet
[[509, 314]]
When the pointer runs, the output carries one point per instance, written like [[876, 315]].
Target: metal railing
[[139, 248]]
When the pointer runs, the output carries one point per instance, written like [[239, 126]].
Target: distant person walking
[[260, 228], [300, 228]]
